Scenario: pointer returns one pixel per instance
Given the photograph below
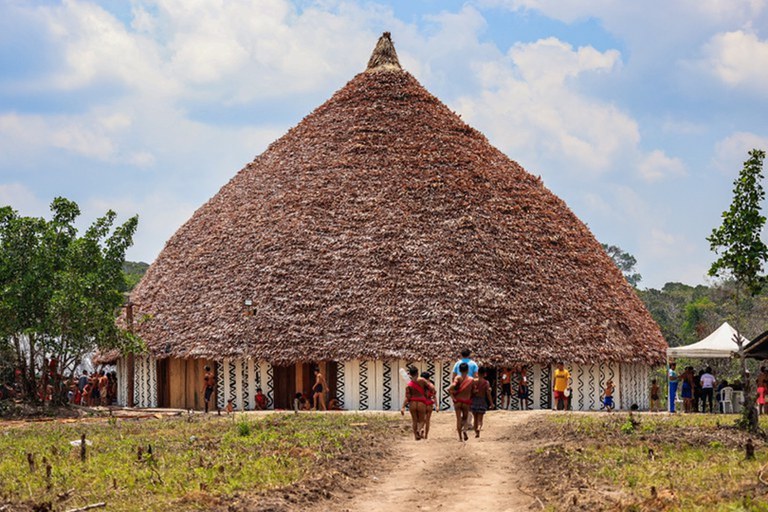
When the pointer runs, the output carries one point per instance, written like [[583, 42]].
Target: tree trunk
[[749, 417]]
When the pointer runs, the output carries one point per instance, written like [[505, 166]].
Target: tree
[[59, 292], [742, 255], [626, 263]]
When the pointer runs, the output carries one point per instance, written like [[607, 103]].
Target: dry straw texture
[[383, 226]]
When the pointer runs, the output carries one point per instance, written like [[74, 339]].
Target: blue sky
[[638, 114]]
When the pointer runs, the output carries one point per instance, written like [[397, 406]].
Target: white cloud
[[22, 199], [731, 152], [656, 166], [529, 108], [738, 59]]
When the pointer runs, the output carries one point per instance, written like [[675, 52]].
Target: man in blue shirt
[[470, 363]]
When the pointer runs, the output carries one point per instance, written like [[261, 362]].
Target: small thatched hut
[[380, 232]]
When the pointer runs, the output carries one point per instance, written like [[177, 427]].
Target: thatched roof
[[383, 226]]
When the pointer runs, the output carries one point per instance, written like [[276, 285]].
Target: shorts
[[559, 395], [208, 393], [506, 389], [479, 405], [608, 402], [318, 389], [522, 394], [687, 392], [761, 396]]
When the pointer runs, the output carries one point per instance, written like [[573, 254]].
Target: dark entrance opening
[[285, 386]]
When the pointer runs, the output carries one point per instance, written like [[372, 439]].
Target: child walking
[[481, 397]]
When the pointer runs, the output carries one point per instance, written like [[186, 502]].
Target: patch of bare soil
[[567, 485], [441, 473]]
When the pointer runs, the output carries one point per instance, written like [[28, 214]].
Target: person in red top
[[261, 400], [461, 391], [417, 398], [481, 397]]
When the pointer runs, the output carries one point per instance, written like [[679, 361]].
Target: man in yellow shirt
[[562, 378]]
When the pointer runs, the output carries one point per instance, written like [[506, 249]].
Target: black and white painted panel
[[145, 381], [238, 380], [634, 386]]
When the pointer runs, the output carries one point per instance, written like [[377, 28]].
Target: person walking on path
[[417, 400], [562, 380], [672, 376], [481, 398], [461, 391], [707, 390]]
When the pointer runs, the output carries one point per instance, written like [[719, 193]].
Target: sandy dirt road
[[442, 474]]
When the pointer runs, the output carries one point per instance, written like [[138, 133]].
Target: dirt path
[[442, 474]]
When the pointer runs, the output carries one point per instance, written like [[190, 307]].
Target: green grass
[[192, 458], [698, 460]]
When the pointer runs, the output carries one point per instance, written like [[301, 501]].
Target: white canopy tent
[[719, 344]]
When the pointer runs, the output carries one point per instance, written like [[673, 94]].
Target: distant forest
[[685, 313]]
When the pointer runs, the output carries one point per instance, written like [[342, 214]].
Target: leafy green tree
[[742, 254], [626, 263], [59, 292]]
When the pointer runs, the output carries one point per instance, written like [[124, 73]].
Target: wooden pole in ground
[[130, 360]]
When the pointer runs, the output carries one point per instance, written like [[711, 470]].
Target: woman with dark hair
[[481, 397]]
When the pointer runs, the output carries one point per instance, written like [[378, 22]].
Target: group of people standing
[[701, 392]]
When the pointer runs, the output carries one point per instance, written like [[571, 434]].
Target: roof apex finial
[[384, 56]]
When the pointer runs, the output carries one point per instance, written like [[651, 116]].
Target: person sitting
[[334, 405], [261, 400]]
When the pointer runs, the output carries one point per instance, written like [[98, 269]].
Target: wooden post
[[82, 448], [131, 360]]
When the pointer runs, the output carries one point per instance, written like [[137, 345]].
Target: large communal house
[[383, 232]]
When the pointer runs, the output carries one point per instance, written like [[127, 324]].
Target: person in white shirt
[[707, 389]]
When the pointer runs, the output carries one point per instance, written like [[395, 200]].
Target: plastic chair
[[726, 399]]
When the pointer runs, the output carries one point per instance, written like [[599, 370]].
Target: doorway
[[285, 386]]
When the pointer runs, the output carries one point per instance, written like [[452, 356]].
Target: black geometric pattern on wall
[[591, 384], [245, 384], [545, 397], [529, 376], [580, 386], [232, 382], [386, 402], [514, 401], [220, 402], [363, 386], [445, 383], [270, 386], [340, 369]]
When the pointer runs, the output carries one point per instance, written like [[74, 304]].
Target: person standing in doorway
[[210, 386], [672, 376], [562, 380], [318, 391], [523, 391], [506, 388]]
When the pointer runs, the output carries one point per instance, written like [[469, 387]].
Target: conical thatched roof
[[384, 226]]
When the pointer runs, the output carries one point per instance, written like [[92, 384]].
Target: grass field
[[187, 463], [652, 462]]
